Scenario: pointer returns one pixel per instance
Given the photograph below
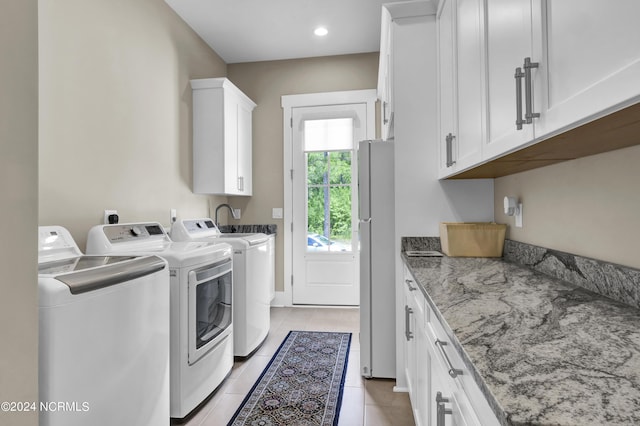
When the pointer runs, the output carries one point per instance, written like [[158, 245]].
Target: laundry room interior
[[107, 110]]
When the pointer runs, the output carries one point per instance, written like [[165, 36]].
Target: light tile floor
[[364, 402]]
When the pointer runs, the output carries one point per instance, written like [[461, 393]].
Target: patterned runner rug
[[301, 385]]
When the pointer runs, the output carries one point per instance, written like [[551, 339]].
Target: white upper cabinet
[[222, 138], [589, 53], [461, 73], [515, 72], [395, 15]]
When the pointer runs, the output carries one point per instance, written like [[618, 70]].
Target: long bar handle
[[441, 411], [407, 323], [528, 87], [453, 372], [449, 141], [408, 282], [385, 120], [518, 76]]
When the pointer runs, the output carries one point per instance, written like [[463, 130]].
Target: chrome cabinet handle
[[407, 323], [408, 282], [518, 76], [449, 141], [385, 120], [240, 183], [528, 87], [453, 372], [440, 410]]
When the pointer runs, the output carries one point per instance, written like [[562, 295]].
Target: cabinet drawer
[[415, 294]]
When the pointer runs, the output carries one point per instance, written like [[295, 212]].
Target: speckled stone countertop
[[544, 352]]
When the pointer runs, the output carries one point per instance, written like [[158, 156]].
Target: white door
[[324, 202]]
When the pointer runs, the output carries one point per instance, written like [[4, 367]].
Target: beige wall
[[115, 112], [265, 83], [19, 194], [589, 206]]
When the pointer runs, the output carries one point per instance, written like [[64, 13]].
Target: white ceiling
[[264, 30]]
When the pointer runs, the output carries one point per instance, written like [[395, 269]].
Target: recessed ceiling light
[[321, 31]]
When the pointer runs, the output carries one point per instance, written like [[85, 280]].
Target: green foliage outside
[[329, 194]]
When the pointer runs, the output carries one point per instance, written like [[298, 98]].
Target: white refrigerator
[[377, 259]]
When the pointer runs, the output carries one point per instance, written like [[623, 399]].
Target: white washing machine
[[253, 279], [103, 336], [201, 288]]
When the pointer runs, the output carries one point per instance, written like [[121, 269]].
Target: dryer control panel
[[194, 229], [199, 225]]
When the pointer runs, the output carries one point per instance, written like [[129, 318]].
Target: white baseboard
[[279, 300]]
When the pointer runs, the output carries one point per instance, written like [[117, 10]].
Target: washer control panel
[[54, 243], [134, 232]]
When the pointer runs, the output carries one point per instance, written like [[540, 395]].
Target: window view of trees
[[329, 198]]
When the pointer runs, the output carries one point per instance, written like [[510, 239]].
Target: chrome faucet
[[233, 212]]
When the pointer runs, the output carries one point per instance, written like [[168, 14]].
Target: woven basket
[[472, 239]]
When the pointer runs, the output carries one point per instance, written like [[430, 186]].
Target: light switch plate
[[276, 213]]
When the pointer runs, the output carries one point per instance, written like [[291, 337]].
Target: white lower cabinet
[[441, 389]]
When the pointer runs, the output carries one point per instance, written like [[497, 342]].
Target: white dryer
[[201, 288], [103, 336], [253, 279]]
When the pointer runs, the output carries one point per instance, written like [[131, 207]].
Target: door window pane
[[329, 203]]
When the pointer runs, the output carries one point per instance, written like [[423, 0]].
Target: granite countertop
[[544, 351]]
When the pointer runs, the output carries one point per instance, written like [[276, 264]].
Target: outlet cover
[[108, 213]]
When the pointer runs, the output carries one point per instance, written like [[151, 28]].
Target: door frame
[[366, 96]]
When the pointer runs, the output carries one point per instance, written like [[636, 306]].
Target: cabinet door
[[244, 177], [508, 37], [446, 75], [230, 142], [439, 384], [423, 377], [410, 347], [591, 60], [385, 86], [470, 83], [461, 65]]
